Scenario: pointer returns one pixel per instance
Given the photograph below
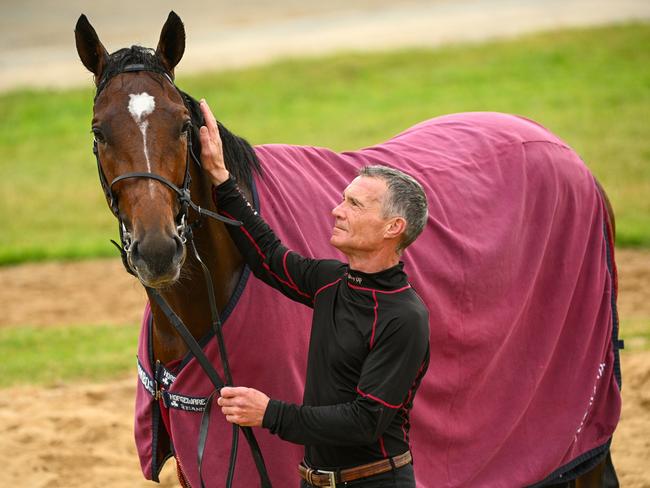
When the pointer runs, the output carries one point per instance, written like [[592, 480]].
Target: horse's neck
[[189, 297]]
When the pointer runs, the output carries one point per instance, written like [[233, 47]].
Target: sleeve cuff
[[225, 185], [223, 189], [272, 416]]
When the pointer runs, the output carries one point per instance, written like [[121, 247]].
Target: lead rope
[[248, 432], [218, 333], [214, 377], [218, 383]]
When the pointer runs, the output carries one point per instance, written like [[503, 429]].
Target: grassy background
[[48, 355], [591, 87]]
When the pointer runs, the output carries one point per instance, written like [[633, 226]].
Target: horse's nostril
[[179, 246], [134, 250]]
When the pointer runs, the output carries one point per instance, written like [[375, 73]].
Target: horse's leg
[[610, 480], [602, 475], [593, 478]]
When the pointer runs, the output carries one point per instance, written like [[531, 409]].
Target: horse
[[516, 266]]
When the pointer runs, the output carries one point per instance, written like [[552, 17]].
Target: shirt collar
[[385, 280]]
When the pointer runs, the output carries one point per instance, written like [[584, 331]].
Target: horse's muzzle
[[157, 260]]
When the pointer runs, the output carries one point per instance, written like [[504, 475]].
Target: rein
[[186, 234]]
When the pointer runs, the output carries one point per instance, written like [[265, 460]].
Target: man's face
[[358, 222]]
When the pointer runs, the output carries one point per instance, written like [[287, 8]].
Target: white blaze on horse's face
[[140, 107]]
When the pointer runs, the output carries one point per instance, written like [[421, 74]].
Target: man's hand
[[243, 406], [211, 150]]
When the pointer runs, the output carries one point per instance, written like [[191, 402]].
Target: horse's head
[[142, 125]]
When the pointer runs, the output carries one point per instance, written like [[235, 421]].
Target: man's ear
[[171, 45], [91, 51], [396, 227]]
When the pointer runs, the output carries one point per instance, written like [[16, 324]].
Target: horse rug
[[516, 268]]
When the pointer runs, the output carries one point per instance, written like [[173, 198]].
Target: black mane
[[238, 154]]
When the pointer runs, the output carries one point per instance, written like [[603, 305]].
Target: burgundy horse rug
[[516, 267]]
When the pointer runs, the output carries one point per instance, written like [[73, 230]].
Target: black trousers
[[398, 478]]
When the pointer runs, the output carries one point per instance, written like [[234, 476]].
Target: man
[[369, 346]]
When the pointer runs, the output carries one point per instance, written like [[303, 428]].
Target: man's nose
[[336, 211]]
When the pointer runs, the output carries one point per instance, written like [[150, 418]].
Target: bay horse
[[518, 272]]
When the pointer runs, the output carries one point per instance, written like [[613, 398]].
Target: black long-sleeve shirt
[[368, 351]]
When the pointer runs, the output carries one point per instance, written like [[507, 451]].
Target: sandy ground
[[85, 293], [80, 435]]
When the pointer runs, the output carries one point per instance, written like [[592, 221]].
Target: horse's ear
[[92, 52], [171, 45]]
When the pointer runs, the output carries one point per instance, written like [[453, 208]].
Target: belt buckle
[[332, 477]]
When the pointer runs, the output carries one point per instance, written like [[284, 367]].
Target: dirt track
[[80, 435]]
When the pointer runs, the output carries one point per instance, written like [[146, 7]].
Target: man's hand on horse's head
[[211, 149], [243, 406]]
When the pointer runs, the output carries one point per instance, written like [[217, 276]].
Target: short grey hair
[[406, 199]]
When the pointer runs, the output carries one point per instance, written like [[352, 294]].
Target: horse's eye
[[98, 135], [187, 126]]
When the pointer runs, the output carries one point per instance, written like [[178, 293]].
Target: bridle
[[185, 232], [182, 192]]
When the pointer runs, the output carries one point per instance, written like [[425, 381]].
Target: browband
[[130, 68]]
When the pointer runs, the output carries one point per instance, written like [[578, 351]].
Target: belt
[[321, 478]]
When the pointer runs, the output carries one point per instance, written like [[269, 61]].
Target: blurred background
[[339, 74]]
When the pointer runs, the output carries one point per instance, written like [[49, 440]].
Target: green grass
[[591, 87], [635, 331], [48, 355], [54, 354]]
